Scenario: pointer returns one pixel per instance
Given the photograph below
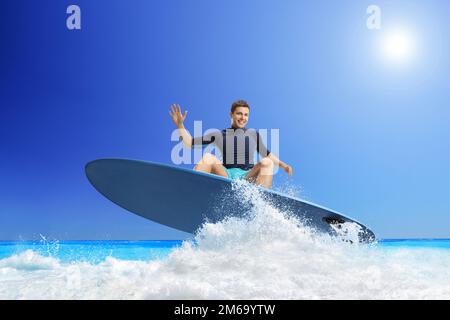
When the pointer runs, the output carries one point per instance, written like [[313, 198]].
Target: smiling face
[[239, 117]]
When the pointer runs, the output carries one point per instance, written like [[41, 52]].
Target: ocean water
[[268, 254]]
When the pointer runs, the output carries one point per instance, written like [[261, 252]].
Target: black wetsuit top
[[237, 146]]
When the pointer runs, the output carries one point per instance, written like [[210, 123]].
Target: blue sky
[[368, 135]]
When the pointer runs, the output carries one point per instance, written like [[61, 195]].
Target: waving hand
[[177, 116]]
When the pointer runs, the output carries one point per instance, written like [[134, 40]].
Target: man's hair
[[239, 103]]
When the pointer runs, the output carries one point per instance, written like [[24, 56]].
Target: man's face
[[239, 117]]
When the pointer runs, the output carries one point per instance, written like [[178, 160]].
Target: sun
[[398, 46]]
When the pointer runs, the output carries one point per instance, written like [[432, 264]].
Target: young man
[[237, 146]]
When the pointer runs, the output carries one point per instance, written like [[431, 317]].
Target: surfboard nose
[[89, 168], [95, 168]]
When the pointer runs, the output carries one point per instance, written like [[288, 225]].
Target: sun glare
[[398, 46]]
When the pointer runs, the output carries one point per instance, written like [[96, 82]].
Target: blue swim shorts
[[237, 173]]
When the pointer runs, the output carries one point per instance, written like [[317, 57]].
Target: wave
[[267, 254]]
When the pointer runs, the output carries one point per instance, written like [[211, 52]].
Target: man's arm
[[281, 164], [261, 148], [185, 136], [178, 119]]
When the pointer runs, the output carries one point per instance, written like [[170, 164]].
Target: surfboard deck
[[182, 198]]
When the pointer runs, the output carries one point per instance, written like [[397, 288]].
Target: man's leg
[[262, 173], [210, 164]]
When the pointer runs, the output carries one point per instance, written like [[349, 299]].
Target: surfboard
[[184, 199]]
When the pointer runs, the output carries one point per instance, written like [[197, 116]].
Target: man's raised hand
[[177, 116]]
